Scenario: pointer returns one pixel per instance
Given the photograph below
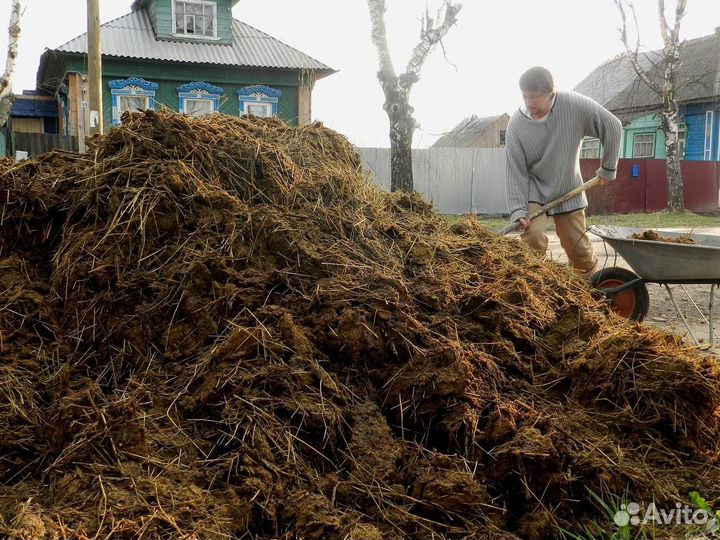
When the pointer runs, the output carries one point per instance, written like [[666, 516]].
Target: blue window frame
[[199, 98], [131, 94], [259, 100]]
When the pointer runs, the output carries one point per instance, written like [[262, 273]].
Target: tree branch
[[633, 54], [430, 35]]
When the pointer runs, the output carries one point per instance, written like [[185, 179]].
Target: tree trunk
[[402, 126], [670, 122], [671, 116]]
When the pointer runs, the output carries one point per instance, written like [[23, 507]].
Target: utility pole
[[94, 68]]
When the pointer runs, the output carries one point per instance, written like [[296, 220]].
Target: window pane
[[189, 24], [131, 103], [179, 17], [259, 109], [198, 107], [195, 18], [644, 145]]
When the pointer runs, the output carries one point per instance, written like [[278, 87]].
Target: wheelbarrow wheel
[[631, 303]]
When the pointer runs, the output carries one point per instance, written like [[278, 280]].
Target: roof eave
[[138, 4], [325, 72], [319, 73]]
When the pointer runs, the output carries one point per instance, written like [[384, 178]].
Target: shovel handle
[[552, 204]]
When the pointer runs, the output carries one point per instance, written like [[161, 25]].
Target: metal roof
[[27, 107], [132, 36]]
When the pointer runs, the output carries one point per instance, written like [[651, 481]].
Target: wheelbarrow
[[652, 261]]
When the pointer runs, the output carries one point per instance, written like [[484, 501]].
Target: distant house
[[474, 132], [616, 86], [189, 56], [34, 112]]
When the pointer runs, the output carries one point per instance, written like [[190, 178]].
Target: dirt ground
[[692, 299]]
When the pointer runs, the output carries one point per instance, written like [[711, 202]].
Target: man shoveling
[[543, 148]]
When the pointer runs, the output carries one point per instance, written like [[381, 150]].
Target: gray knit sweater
[[543, 155]]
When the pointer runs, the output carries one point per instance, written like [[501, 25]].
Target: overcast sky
[[493, 43]]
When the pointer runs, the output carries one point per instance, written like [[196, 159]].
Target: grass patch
[[657, 220]]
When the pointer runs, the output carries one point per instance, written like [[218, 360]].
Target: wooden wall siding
[[167, 96], [151, 9], [695, 120], [163, 23], [171, 75], [220, 75], [642, 125]]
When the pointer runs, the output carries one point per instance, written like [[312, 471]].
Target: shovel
[[552, 204]]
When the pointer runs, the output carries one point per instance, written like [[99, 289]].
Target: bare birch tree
[[6, 79], [666, 87], [397, 87]]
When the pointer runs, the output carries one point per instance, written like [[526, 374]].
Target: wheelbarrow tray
[[665, 262]]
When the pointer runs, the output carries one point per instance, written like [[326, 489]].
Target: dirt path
[[692, 299]]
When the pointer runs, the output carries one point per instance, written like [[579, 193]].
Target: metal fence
[[455, 180], [465, 180], [39, 143]]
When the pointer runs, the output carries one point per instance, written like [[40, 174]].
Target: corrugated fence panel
[[701, 185], [377, 162], [656, 192], [39, 143], [455, 180], [489, 193], [449, 174], [626, 195]]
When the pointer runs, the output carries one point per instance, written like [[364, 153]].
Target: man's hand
[[603, 181], [524, 224]]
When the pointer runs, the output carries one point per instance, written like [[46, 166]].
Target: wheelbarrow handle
[[552, 204]]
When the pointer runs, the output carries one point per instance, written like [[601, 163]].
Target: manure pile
[[216, 328], [657, 237]]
